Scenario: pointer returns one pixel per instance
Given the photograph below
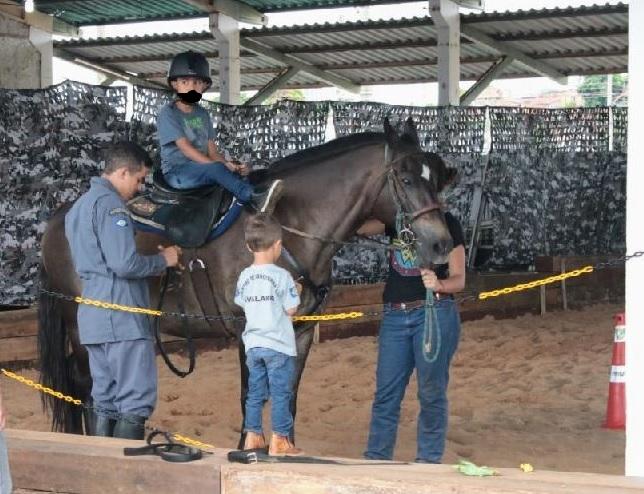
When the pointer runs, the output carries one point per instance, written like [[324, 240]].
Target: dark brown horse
[[330, 190]]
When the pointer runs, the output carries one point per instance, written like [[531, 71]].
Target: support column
[[42, 41], [19, 59], [226, 30], [634, 461], [448, 31]]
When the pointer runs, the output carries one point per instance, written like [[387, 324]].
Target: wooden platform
[[72, 464]]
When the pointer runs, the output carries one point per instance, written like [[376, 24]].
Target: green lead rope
[[431, 343]]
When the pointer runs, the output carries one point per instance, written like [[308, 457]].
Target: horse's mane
[[316, 154]]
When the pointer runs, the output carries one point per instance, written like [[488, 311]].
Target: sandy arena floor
[[526, 390]]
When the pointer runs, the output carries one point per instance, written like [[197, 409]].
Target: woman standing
[[401, 347]]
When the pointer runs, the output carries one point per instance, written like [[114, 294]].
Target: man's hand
[[430, 280], [298, 287], [171, 255]]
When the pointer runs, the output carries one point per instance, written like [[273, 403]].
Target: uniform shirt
[[101, 239], [404, 282], [266, 292], [173, 124]]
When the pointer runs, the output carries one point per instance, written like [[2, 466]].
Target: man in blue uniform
[[119, 344]]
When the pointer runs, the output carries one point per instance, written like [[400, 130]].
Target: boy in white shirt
[[269, 297]]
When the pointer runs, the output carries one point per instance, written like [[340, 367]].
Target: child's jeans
[[270, 374], [191, 175]]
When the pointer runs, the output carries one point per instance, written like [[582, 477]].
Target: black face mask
[[191, 97]]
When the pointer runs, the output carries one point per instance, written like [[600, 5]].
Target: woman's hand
[[430, 280]]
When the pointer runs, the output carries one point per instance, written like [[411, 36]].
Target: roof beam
[[485, 80], [39, 20], [231, 8], [107, 71], [533, 64], [291, 61], [270, 88], [557, 13]]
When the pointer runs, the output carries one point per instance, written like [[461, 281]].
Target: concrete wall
[[20, 55]]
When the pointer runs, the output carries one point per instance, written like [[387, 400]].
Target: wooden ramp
[[66, 463]]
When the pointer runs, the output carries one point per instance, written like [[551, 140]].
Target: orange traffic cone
[[616, 408]]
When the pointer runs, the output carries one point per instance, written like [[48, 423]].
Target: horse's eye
[[406, 181]]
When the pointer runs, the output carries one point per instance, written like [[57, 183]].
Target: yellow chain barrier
[[124, 308], [41, 388], [536, 283], [71, 399], [356, 315], [330, 317]]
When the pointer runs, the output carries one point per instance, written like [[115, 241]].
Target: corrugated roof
[[575, 41], [97, 12]]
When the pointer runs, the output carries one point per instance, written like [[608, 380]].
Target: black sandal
[[168, 451]]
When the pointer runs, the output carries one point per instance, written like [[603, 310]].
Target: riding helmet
[[189, 64]]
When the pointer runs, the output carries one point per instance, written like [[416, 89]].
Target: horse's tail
[[55, 365]]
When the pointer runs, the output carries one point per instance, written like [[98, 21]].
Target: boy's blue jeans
[[400, 350], [270, 373], [5, 475], [191, 175]]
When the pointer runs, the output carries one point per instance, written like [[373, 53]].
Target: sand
[[526, 390]]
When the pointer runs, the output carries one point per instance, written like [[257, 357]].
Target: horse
[[329, 192]]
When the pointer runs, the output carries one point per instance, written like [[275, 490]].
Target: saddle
[[186, 216]]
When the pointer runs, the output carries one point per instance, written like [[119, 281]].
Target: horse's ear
[[410, 131], [391, 136], [445, 176], [451, 178]]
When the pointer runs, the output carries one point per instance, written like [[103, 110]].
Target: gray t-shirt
[[173, 124], [266, 292]]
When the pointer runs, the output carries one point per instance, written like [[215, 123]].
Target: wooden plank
[[361, 477], [350, 295], [18, 349], [23, 322], [90, 465]]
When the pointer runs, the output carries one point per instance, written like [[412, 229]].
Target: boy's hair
[[125, 154], [261, 231]]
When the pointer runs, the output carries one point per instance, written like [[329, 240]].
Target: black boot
[[130, 427], [100, 425], [264, 201]]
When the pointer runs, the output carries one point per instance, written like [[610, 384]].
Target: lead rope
[[431, 343]]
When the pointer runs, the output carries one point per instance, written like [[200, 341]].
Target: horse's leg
[[303, 341], [82, 384]]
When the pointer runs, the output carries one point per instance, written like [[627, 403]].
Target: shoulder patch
[[121, 222]]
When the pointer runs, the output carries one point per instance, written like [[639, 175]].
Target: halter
[[404, 218]]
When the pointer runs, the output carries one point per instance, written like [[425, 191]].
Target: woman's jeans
[[270, 373], [191, 175], [400, 350]]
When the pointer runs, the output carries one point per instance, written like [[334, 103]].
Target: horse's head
[[415, 180]]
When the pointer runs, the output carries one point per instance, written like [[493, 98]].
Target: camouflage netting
[[553, 186], [562, 129], [620, 127], [442, 130], [50, 141]]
